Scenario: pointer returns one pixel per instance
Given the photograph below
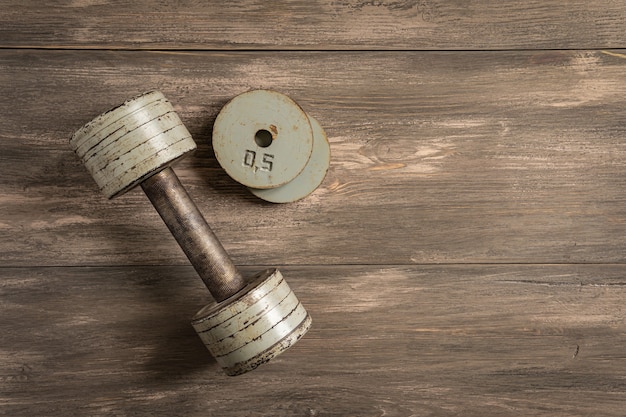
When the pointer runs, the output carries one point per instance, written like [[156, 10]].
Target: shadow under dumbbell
[[178, 354], [173, 348]]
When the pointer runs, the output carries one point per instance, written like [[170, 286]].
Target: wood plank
[[314, 25], [483, 340], [436, 158]]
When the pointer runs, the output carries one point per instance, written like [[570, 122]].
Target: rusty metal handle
[[193, 234]]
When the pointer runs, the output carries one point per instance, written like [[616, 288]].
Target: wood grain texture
[[464, 255], [393, 341], [320, 24], [440, 157]]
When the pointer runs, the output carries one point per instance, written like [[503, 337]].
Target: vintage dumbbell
[[266, 142], [251, 320]]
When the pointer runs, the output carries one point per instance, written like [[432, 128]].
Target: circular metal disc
[[262, 139], [311, 176]]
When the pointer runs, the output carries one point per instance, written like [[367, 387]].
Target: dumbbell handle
[[193, 234]]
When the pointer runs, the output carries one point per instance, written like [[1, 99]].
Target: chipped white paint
[[127, 144], [252, 327]]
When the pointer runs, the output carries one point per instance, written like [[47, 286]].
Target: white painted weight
[[127, 144], [262, 139], [311, 176], [261, 321]]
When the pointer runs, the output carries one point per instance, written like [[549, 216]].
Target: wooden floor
[[465, 255]]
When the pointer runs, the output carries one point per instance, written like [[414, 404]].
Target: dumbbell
[[265, 141], [250, 320]]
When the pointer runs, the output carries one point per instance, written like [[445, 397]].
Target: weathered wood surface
[[464, 256], [319, 24], [440, 157], [394, 341]]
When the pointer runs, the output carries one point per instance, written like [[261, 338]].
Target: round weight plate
[[262, 139], [311, 176], [127, 144], [250, 328]]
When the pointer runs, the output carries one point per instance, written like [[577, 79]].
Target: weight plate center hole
[[263, 138]]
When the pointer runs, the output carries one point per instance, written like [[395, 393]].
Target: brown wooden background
[[464, 256]]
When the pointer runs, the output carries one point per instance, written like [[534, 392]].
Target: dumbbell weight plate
[[262, 139], [127, 144], [253, 326], [311, 176]]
